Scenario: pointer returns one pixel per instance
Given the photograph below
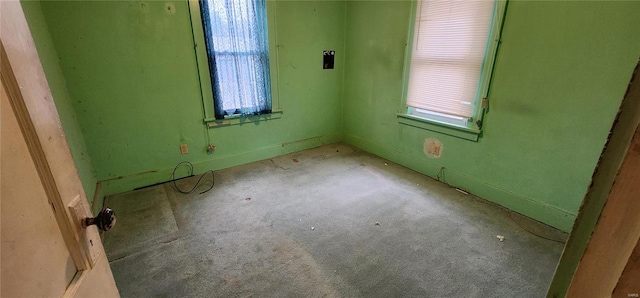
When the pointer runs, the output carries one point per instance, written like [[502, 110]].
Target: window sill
[[240, 120], [440, 127]]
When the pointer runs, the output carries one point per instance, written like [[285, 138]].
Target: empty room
[[293, 148]]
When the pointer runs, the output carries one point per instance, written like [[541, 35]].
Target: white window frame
[[451, 125]]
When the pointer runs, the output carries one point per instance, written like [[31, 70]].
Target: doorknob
[[105, 220]]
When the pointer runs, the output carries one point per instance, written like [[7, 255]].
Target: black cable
[[173, 178], [510, 213], [440, 177]]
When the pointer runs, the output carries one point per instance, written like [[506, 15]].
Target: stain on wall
[[132, 77], [432, 148], [560, 75], [57, 84], [169, 8]]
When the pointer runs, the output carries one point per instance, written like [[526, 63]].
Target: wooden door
[[607, 227], [629, 282], [45, 251], [615, 235]]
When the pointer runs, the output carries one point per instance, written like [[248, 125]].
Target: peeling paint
[[319, 138]]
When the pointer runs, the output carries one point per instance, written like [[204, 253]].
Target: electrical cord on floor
[[441, 178], [530, 232], [173, 178]]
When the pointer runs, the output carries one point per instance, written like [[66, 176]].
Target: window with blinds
[[450, 49]]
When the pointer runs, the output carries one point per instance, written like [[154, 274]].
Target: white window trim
[[446, 124]]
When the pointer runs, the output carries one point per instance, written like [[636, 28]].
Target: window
[[452, 57], [237, 48]]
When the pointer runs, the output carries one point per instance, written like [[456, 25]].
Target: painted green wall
[[560, 75], [58, 86], [131, 71]]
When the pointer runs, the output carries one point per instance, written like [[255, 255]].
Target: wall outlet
[[211, 148], [184, 149], [432, 148]]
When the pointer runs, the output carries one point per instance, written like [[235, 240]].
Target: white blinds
[[448, 51]]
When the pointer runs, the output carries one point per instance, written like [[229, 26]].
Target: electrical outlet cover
[[432, 148]]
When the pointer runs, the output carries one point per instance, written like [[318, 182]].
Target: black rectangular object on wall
[[327, 59]]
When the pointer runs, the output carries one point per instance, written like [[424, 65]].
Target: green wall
[[132, 81], [560, 75], [58, 86], [131, 71]]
